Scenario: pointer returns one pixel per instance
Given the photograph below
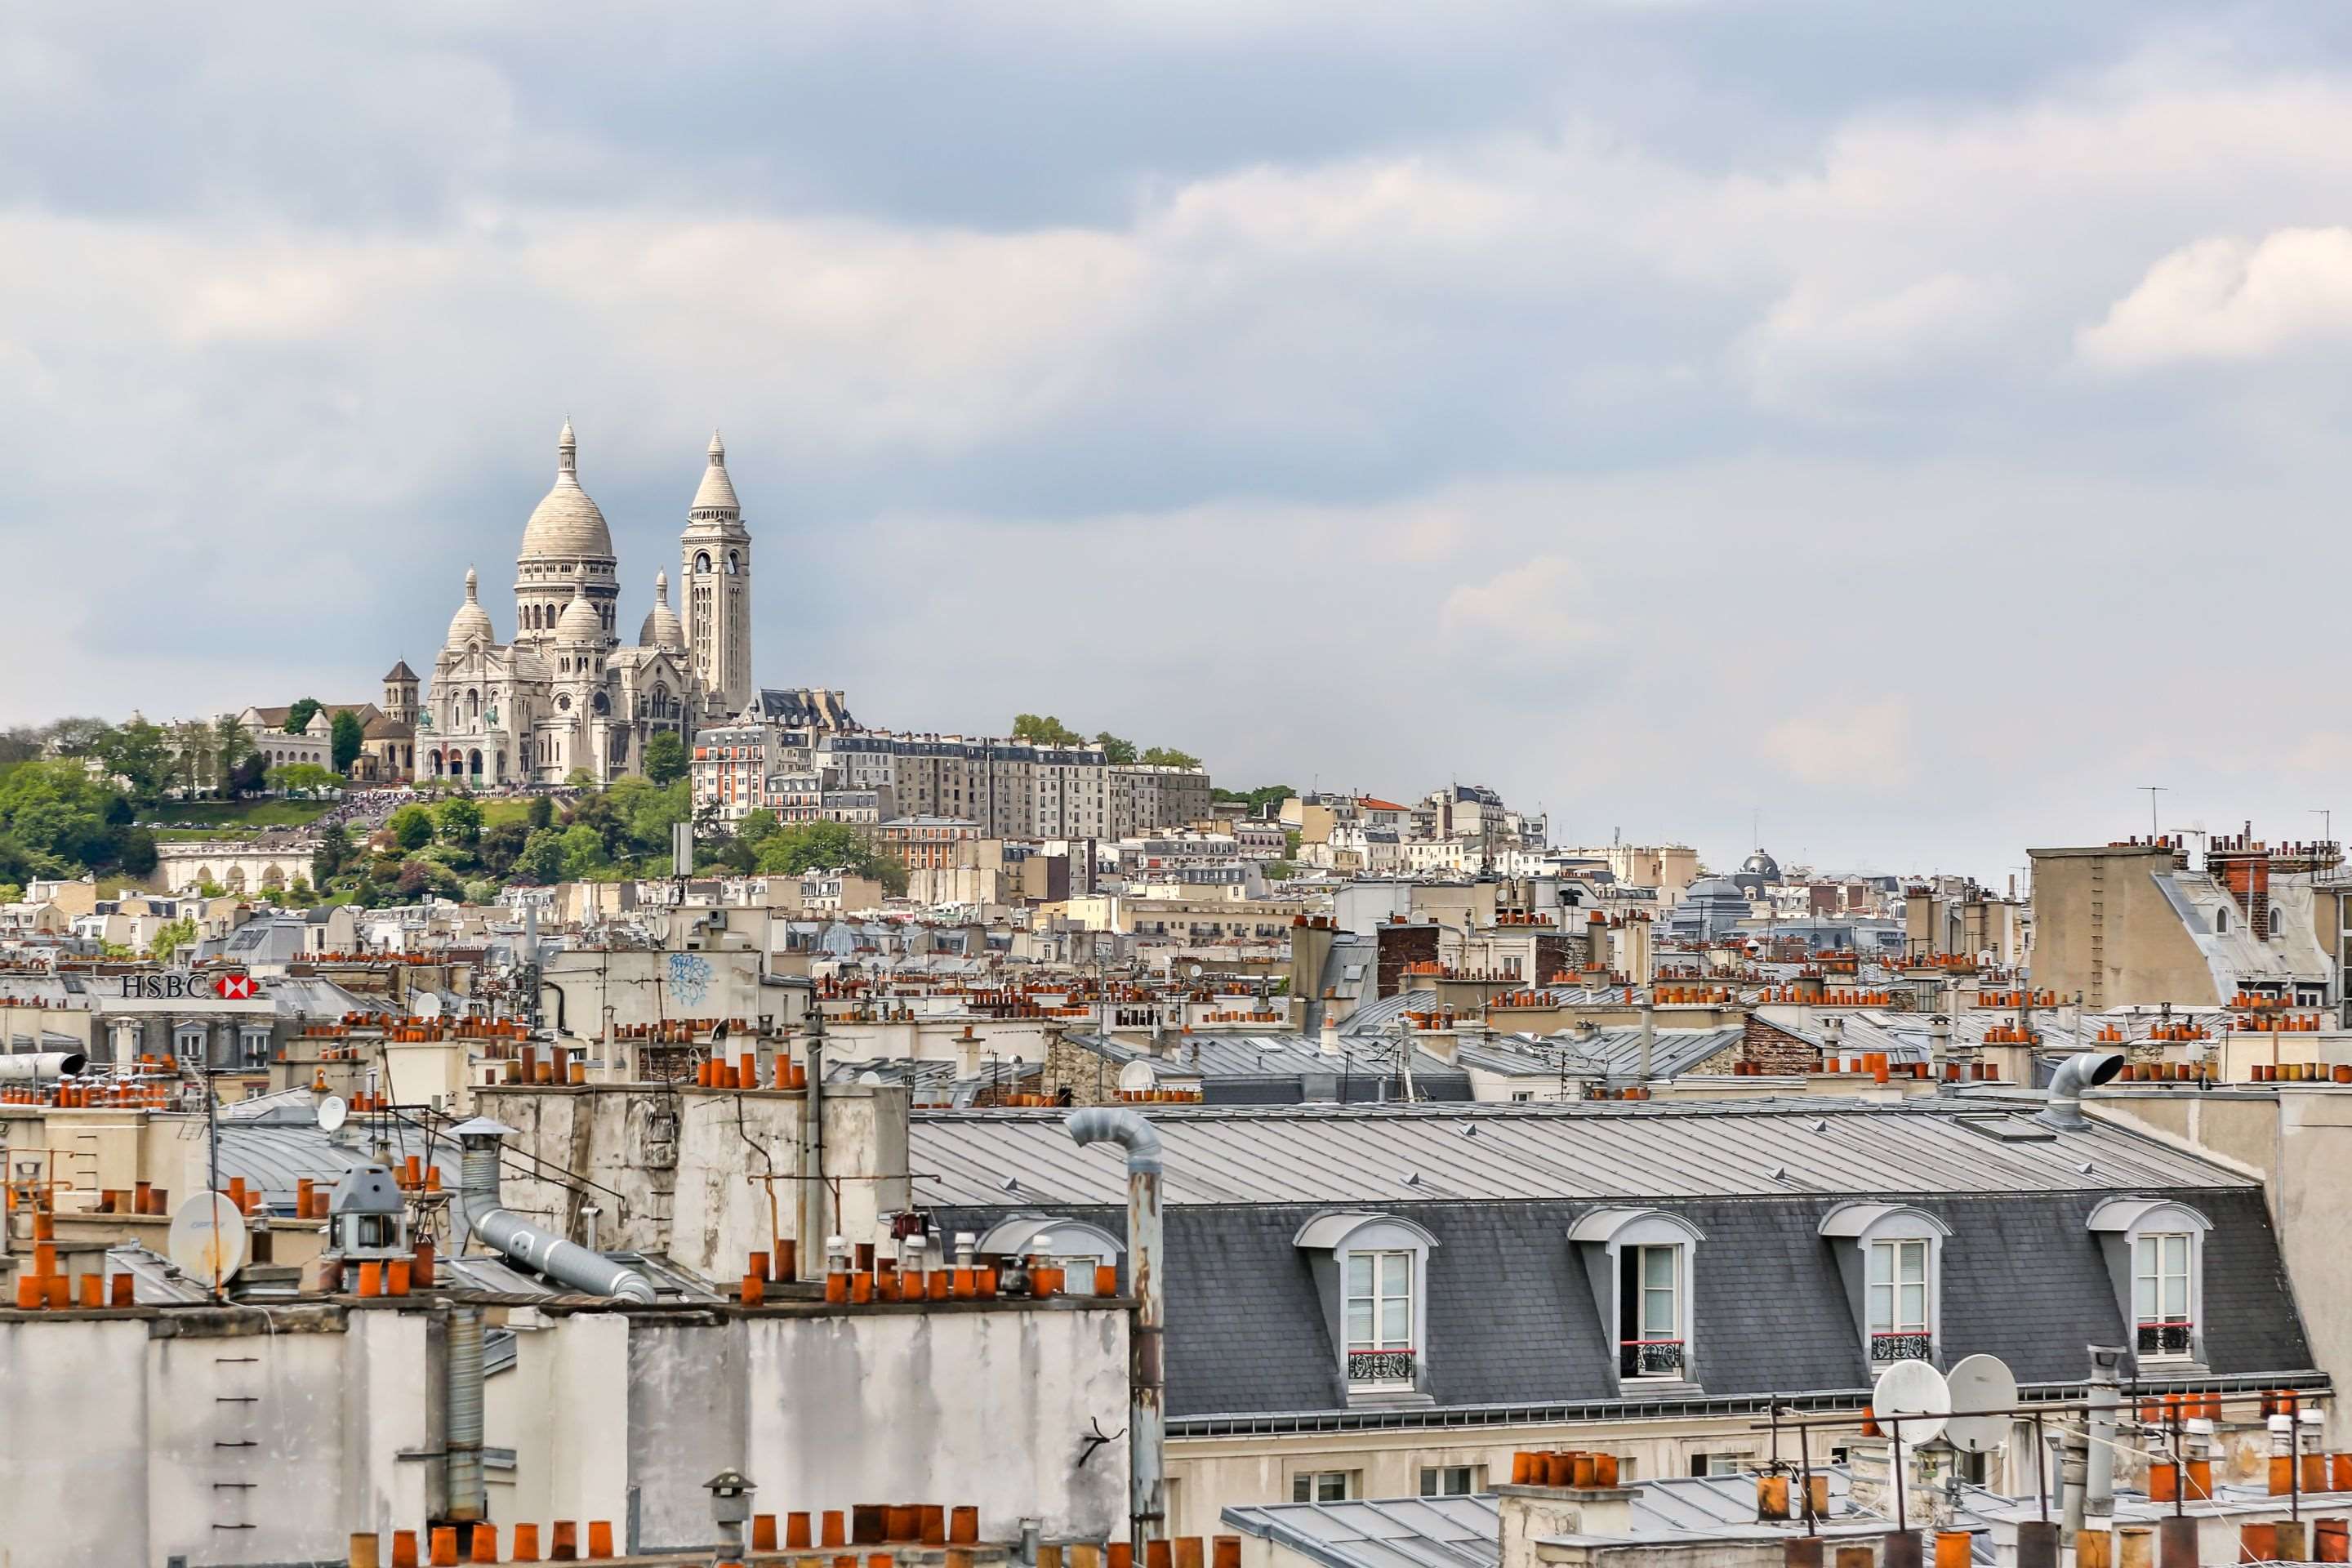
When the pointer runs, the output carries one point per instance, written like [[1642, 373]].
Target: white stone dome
[[471, 624], [566, 522], [662, 628], [579, 622]]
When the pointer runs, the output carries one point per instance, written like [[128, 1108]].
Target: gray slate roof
[[1363, 1153]]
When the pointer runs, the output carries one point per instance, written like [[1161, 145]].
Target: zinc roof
[[1328, 1154]]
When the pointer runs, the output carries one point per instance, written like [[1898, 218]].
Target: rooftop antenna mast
[[2153, 790]]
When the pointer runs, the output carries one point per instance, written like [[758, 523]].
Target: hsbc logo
[[186, 988]]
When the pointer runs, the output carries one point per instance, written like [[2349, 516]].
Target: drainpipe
[[2076, 1073], [2099, 1470], [41, 1066], [1146, 1382], [524, 1243], [467, 1500], [1649, 1037], [813, 1193]]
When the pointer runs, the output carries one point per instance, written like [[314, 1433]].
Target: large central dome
[[566, 522]]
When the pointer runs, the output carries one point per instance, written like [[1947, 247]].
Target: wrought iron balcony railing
[[1901, 1347], [1649, 1358], [2167, 1336], [1380, 1366]]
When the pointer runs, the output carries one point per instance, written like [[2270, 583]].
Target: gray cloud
[[1662, 411]]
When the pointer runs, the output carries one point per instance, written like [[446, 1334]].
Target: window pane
[[1658, 1266], [2176, 1255], [1359, 1274], [1657, 1314], [1882, 1263], [1914, 1308], [1396, 1273], [1334, 1487], [2144, 1297], [2176, 1296], [1914, 1262], [1396, 1324], [1302, 1488], [1882, 1308], [1359, 1325]]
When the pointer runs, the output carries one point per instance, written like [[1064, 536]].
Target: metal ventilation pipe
[[524, 1243], [2099, 1463], [2076, 1074], [1649, 1037], [41, 1066], [468, 1500], [1147, 1379]]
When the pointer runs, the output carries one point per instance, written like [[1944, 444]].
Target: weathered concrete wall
[[991, 1406], [652, 987], [623, 1137], [211, 1436]]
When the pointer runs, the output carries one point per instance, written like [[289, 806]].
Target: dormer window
[[1374, 1270], [2158, 1245], [1640, 1263], [1891, 1256]]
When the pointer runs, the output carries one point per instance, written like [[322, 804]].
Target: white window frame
[[2160, 1260], [1896, 1268], [1315, 1484], [1433, 1478], [1379, 1280], [1897, 1228]]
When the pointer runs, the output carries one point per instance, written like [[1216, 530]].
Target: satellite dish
[[1194, 970], [209, 1240], [1913, 1392], [1980, 1384], [333, 1112]]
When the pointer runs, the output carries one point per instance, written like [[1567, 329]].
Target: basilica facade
[[565, 695]]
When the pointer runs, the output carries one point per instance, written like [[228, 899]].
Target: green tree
[[585, 858], [327, 861], [1170, 757], [12, 892], [580, 778], [482, 891], [1045, 730], [665, 758], [411, 826], [232, 742], [192, 740], [460, 821], [757, 828], [171, 936], [78, 737], [824, 845], [542, 859], [350, 737], [1115, 751], [502, 844], [140, 754], [302, 778], [298, 717], [541, 811], [133, 850]]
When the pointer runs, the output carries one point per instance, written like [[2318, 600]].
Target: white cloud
[[1847, 746], [1543, 602], [2225, 299]]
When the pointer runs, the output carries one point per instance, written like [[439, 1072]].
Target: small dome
[[715, 500], [566, 522], [662, 628], [1761, 865], [471, 624], [579, 622]]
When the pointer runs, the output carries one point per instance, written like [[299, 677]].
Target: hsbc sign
[[191, 987]]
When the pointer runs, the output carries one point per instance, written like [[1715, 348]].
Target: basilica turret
[[565, 546], [715, 555]]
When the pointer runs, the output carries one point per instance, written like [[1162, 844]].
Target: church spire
[[567, 450]]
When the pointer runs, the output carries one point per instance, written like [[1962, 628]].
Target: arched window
[[1892, 1263], [2159, 1247], [702, 562], [2278, 926]]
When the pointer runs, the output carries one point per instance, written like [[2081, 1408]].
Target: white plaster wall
[[77, 1420]]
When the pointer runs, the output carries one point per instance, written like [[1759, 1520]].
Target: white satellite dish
[[1913, 1391], [1194, 970], [208, 1239], [333, 1112], [1981, 1386]]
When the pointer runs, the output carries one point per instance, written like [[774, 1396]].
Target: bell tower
[[715, 567]]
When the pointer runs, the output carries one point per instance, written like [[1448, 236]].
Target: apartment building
[[1016, 789]]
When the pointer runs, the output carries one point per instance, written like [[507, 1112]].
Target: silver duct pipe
[[1147, 1379], [2076, 1074], [2099, 1464], [1649, 1037], [468, 1500], [522, 1242], [41, 1066]]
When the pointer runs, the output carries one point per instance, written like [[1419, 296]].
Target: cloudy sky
[[1918, 426]]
